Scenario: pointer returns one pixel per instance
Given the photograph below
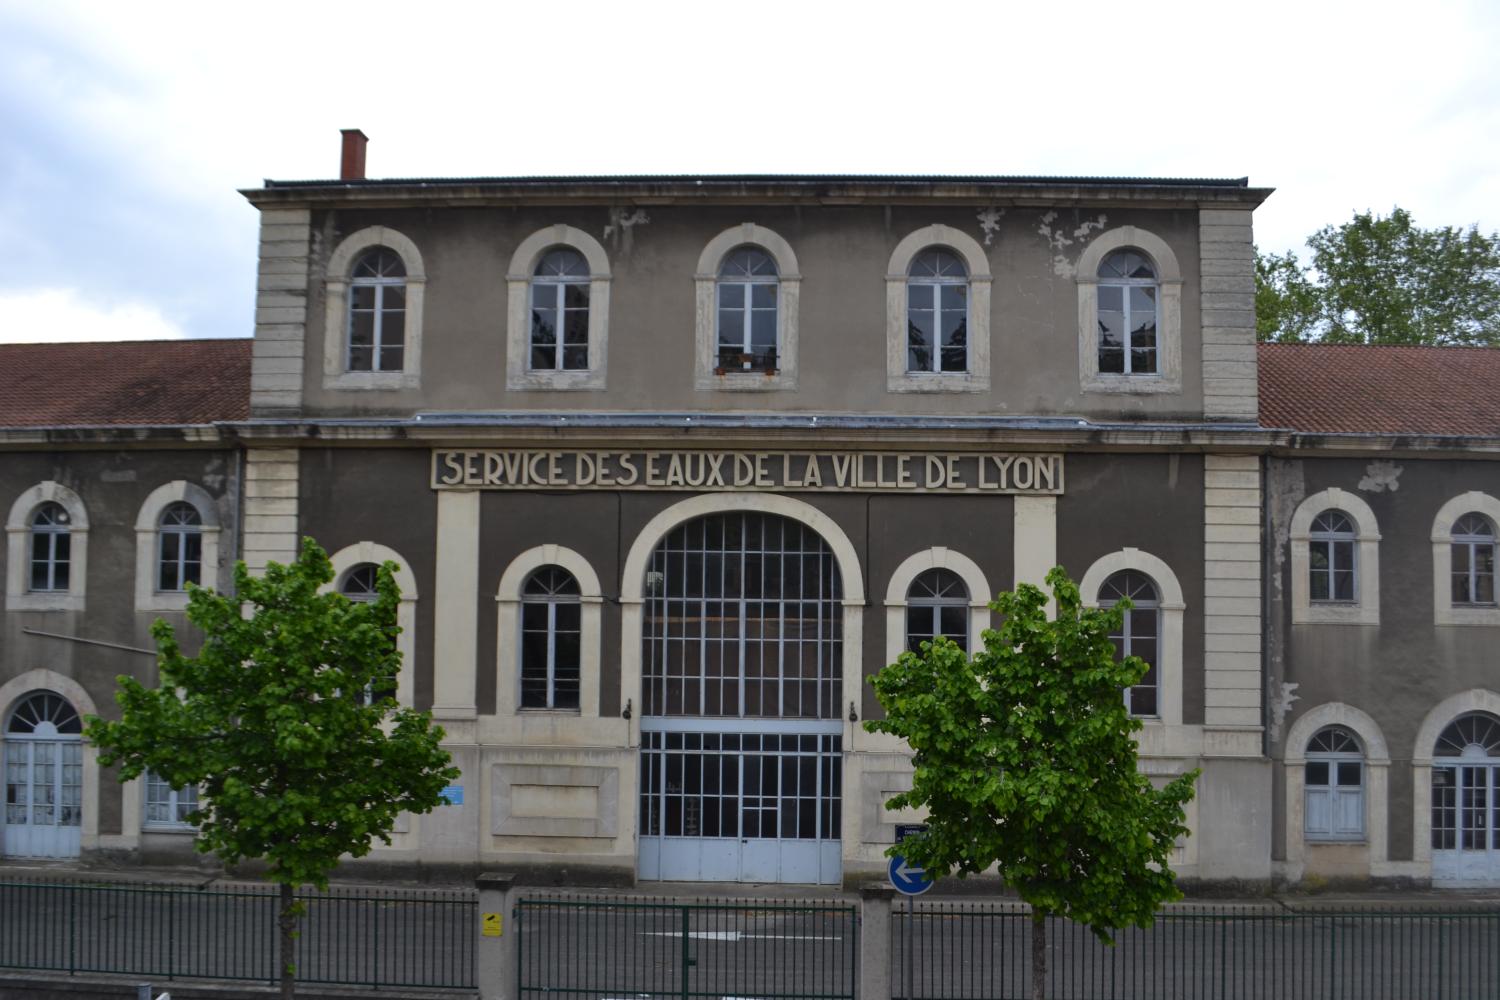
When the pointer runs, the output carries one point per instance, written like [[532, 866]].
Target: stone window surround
[[147, 531], [1365, 608], [518, 373], [18, 597], [1169, 314], [336, 312], [914, 566], [42, 679], [977, 377], [1444, 611], [1441, 716], [706, 322], [1377, 763], [1173, 610], [351, 556], [508, 630]]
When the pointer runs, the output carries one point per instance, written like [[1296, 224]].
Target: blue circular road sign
[[908, 880]]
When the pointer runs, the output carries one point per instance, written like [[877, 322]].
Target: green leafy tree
[[285, 721], [1383, 280], [1025, 760]]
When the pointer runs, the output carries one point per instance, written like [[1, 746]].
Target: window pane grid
[[560, 312], [937, 314], [1139, 634], [377, 313], [551, 640], [1127, 315], [743, 620]]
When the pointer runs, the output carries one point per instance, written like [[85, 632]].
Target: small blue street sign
[[454, 794], [906, 879]]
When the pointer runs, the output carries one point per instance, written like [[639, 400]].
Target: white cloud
[[61, 314]]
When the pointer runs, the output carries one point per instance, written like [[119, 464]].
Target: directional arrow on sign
[[906, 879]]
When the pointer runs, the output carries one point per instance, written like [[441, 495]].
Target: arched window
[[1473, 569], [359, 584], [51, 535], [551, 634], [937, 312], [1139, 634], [1334, 786], [179, 547], [937, 603], [43, 776], [747, 300], [1332, 570], [1128, 292], [377, 312], [560, 312], [1466, 790]]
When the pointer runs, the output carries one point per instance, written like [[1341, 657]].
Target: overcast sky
[[127, 128]]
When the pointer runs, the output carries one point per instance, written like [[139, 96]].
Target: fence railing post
[[875, 945], [496, 955]]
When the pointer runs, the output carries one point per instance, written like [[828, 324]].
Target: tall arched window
[[51, 535], [937, 603], [1334, 786], [937, 312], [377, 312], [179, 547], [43, 777], [1139, 634], [1466, 797], [747, 301], [560, 312], [1473, 560], [1128, 292], [1332, 572], [551, 646]]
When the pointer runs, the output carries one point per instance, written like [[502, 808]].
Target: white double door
[[1466, 823], [746, 803], [43, 797]]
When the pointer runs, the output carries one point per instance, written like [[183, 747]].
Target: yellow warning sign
[[490, 926]]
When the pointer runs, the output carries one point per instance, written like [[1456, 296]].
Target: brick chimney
[[352, 162]]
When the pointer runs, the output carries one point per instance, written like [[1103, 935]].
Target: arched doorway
[[1466, 802], [741, 685], [43, 777]]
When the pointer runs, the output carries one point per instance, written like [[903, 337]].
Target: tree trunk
[[286, 953], [1038, 955]]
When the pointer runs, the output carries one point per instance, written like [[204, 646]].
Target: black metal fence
[[967, 951], [365, 937], [611, 947]]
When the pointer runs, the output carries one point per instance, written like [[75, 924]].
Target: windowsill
[[556, 381], [59, 600], [1132, 384], [549, 711], [938, 382], [177, 829], [753, 380], [1316, 840], [164, 600], [1471, 614], [373, 380]]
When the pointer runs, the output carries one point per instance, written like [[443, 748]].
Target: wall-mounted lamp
[[853, 715], [626, 713]]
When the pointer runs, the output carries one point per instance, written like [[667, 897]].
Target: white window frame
[[1434, 723], [1126, 638], [1444, 611], [1365, 608], [378, 313], [13, 690], [898, 274], [51, 531], [509, 598], [1125, 285], [1172, 612], [1377, 764], [148, 544], [1168, 377], [706, 376], [336, 373], [350, 557], [182, 532], [913, 566], [18, 595], [1335, 792], [519, 375], [173, 801]]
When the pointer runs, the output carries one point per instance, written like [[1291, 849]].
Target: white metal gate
[[1466, 803], [43, 778], [741, 738]]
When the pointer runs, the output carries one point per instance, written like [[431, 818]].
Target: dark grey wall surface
[[112, 485], [1396, 672], [382, 495], [1149, 502], [843, 253]]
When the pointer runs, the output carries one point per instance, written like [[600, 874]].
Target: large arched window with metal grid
[[1139, 633]]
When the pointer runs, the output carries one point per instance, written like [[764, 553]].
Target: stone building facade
[[672, 465]]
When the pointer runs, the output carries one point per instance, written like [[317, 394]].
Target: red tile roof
[[124, 383], [1333, 388]]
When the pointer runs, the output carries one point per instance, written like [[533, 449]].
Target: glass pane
[[955, 297], [576, 296], [732, 328], [1348, 773], [576, 327], [1317, 772], [392, 356], [575, 358], [763, 331], [1142, 301], [763, 296], [731, 296], [543, 296], [919, 296], [362, 329]]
